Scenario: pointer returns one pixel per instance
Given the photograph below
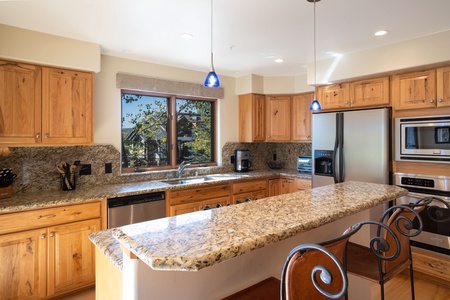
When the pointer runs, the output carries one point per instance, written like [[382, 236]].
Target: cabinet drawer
[[249, 186], [196, 194], [19, 221]]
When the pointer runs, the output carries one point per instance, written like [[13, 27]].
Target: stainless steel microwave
[[422, 139]]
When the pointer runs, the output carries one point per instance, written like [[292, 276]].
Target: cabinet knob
[[308, 136], [46, 136], [52, 234], [431, 101], [38, 136], [439, 100], [43, 236]]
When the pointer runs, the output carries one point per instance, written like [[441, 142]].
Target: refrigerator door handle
[[335, 150], [341, 147]]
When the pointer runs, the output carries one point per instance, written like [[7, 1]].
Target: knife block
[[6, 192]]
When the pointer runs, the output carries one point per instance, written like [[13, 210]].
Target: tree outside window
[[148, 140]]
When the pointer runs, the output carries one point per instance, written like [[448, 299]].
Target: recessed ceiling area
[[248, 35]]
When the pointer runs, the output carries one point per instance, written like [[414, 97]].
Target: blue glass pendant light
[[212, 80], [315, 105]]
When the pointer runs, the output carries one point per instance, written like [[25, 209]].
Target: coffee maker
[[242, 161]]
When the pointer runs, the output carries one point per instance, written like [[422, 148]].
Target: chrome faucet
[[181, 168]]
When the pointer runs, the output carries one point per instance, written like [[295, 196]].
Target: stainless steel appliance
[[351, 145], [134, 209], [435, 235], [242, 161], [304, 164], [422, 139]]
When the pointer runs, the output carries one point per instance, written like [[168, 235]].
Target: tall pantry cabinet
[[42, 105]]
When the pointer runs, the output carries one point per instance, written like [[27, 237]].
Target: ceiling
[[248, 35]]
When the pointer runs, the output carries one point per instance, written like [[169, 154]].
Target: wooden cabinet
[[431, 266], [20, 103], [252, 118], [333, 96], [40, 105], [371, 92], [274, 186], [283, 185], [278, 118], [443, 87], [67, 106], [252, 190], [303, 184], [288, 185], [46, 252], [301, 117], [193, 199], [414, 90]]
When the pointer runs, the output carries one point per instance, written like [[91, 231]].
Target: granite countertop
[[201, 239], [44, 199]]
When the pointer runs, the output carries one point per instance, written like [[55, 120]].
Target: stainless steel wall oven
[[435, 235]]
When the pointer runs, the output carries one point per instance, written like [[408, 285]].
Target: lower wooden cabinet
[[431, 266], [38, 263], [304, 184], [285, 185], [249, 190]]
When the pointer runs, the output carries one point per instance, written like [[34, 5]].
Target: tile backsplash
[[36, 166]]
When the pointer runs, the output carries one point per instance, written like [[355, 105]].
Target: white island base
[[220, 280]]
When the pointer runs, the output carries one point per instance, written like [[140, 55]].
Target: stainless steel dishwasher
[[134, 209]]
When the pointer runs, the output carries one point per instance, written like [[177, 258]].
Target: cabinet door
[[71, 256], [259, 194], [23, 265], [179, 209], [223, 201], [252, 118], [278, 118], [242, 197], [333, 96], [288, 185], [20, 103], [414, 90], [301, 117], [370, 92], [443, 87], [274, 187], [67, 106]]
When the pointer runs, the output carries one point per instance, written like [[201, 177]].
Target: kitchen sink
[[201, 179]]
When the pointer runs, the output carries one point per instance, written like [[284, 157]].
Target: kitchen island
[[211, 254]]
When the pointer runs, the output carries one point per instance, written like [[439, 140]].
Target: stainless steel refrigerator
[[351, 146]]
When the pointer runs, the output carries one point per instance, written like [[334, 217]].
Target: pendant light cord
[[212, 21], [315, 59]]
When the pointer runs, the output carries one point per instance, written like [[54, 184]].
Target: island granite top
[[201, 239]]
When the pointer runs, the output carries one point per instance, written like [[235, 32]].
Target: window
[[161, 131]]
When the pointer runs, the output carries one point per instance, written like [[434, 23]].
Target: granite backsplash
[[36, 166]]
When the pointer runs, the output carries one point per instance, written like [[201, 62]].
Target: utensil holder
[[68, 183]]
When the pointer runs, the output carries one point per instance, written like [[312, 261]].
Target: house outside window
[[161, 131]]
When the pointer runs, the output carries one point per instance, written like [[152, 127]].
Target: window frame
[[171, 131]]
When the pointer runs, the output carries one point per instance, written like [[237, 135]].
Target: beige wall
[[107, 105]]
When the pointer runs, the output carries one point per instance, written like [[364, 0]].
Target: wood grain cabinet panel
[[414, 90], [278, 118], [20, 103], [252, 118], [443, 87], [301, 117], [23, 258], [333, 96], [371, 92], [67, 106]]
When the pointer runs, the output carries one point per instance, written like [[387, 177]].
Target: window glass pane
[[194, 131], [144, 131]]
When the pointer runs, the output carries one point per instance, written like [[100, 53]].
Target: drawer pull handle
[[47, 216], [52, 234], [42, 236]]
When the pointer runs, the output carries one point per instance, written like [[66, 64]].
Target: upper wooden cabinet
[[370, 92], [443, 87], [67, 106], [301, 117], [278, 118], [252, 118], [40, 105], [333, 96], [20, 103], [414, 90]]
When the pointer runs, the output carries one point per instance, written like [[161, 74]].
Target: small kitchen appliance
[[304, 164], [242, 161]]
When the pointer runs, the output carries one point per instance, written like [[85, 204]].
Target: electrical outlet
[[85, 169], [108, 168]]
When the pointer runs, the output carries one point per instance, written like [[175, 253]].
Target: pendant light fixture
[[212, 80], [315, 105]]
